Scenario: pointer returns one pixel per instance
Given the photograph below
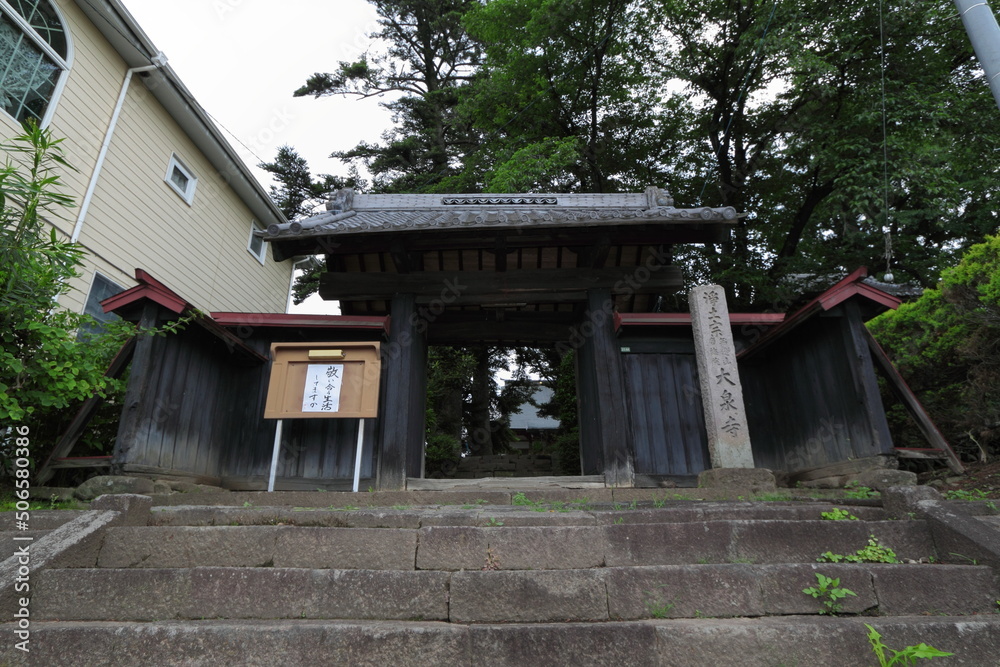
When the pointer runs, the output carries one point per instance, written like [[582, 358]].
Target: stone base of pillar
[[755, 480]]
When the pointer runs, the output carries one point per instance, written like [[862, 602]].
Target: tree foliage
[[773, 108], [947, 346], [297, 193], [50, 359], [427, 55], [43, 369]]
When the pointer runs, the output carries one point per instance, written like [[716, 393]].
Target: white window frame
[[186, 194], [262, 255], [64, 63]]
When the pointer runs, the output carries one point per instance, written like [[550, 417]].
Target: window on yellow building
[[34, 52]]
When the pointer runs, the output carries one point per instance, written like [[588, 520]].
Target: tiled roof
[[353, 214]]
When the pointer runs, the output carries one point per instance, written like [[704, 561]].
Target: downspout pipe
[[981, 25], [158, 61]]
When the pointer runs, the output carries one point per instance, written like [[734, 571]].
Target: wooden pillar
[[604, 417], [404, 396], [865, 382], [141, 376]]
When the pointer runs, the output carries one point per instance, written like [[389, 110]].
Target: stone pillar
[[721, 391]]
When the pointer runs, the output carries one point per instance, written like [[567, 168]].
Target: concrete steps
[[809, 641], [505, 596], [708, 583]]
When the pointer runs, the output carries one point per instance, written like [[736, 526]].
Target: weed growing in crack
[[656, 605], [907, 656], [492, 562], [830, 592], [873, 553]]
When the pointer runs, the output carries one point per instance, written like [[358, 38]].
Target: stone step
[[12, 539], [39, 519], [476, 514], [740, 642], [531, 596], [513, 547], [575, 547]]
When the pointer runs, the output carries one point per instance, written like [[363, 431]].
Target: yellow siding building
[[157, 186]]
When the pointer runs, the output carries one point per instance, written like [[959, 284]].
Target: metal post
[[274, 456], [357, 455], [981, 24]]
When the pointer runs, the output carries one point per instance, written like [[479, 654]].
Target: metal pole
[[274, 457], [981, 24], [357, 456]]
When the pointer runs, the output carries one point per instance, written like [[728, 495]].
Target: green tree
[[427, 57], [563, 100], [947, 346], [46, 370], [43, 370], [296, 192]]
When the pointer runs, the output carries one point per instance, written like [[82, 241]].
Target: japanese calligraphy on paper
[[322, 391], [719, 377]]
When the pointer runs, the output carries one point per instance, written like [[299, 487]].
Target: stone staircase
[[543, 582]]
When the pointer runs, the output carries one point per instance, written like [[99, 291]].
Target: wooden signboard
[[317, 380]]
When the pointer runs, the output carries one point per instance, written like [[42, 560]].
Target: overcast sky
[[242, 59]]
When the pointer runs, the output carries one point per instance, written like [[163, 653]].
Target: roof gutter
[[122, 31]]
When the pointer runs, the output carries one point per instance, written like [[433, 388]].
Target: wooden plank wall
[[807, 398], [202, 415], [668, 424], [185, 417], [311, 449]]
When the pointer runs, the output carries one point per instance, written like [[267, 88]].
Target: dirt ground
[[982, 476]]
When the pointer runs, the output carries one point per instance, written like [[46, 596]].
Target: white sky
[[242, 59]]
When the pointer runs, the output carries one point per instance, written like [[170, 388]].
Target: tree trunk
[[480, 435]]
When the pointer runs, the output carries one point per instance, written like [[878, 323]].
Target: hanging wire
[[887, 229]]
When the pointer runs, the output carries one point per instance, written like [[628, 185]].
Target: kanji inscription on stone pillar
[[721, 391]]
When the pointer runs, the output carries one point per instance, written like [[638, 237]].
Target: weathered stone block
[[683, 591], [883, 479], [96, 595], [528, 596], [782, 585], [110, 484], [935, 589], [756, 480], [134, 509], [668, 543], [346, 548], [381, 595], [188, 546], [263, 592], [577, 644], [515, 548], [901, 501]]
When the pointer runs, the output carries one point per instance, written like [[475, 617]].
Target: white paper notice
[[323, 382]]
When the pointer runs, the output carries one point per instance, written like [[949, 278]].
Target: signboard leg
[[274, 457], [357, 456]]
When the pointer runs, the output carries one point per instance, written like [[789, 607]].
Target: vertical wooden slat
[[871, 397], [136, 394]]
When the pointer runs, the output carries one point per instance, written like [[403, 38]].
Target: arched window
[[33, 57]]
